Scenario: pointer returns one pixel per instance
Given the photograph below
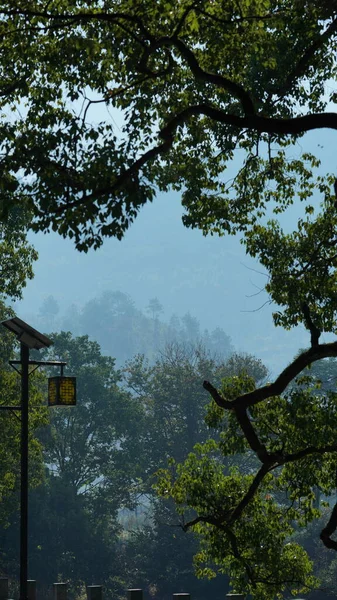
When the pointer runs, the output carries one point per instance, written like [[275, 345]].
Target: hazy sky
[[211, 277]]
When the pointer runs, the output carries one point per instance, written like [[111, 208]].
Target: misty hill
[[209, 277], [123, 330]]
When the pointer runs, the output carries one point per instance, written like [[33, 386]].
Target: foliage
[[324, 561], [10, 425], [189, 79], [325, 373], [175, 407], [154, 308], [194, 84], [244, 519], [91, 457], [100, 459], [160, 558], [16, 254], [173, 400], [10, 437], [90, 445]]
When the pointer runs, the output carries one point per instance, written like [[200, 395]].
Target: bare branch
[[260, 307]]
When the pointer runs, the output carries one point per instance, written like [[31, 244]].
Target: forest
[[104, 104], [93, 467]]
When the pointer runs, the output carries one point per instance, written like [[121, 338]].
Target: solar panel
[[26, 334]]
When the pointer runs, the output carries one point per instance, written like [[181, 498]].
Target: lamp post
[[30, 338]]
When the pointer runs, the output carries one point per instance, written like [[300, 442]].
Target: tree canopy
[[185, 85], [16, 254]]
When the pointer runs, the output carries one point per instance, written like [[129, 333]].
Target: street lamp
[[60, 392]]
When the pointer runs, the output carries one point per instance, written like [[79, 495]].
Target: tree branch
[[79, 17], [260, 475], [231, 536], [251, 435], [123, 178], [314, 331], [306, 451], [329, 529], [235, 549], [221, 81], [10, 88], [218, 399], [292, 126], [300, 69], [278, 386]]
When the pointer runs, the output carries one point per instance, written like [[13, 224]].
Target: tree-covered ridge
[[123, 330], [190, 80]]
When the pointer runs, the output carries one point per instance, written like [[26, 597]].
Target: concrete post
[[31, 589], [135, 594], [94, 592], [3, 588], [59, 591], [182, 596]]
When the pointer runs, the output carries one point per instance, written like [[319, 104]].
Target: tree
[[49, 307], [16, 254], [160, 556], [154, 308], [175, 407], [325, 373], [174, 401], [10, 435], [196, 81], [246, 518], [123, 331], [48, 312], [112, 319], [90, 454]]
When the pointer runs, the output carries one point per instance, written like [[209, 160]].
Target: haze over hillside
[[209, 277]]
